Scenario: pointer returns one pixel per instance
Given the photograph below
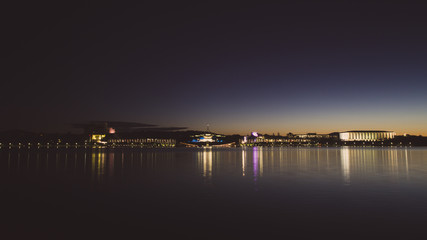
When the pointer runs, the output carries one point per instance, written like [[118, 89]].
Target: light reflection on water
[[243, 191], [346, 163]]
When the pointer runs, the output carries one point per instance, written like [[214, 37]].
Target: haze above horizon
[[297, 67]]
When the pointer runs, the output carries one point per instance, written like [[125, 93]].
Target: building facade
[[369, 136], [141, 142]]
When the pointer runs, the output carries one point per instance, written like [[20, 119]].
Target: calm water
[[238, 193]]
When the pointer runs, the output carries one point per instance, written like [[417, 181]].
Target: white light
[[345, 136]]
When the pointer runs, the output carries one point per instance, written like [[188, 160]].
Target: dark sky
[[317, 66]]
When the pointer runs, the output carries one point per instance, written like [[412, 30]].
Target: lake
[[260, 192]]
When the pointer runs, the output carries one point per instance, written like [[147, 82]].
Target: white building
[[366, 135]]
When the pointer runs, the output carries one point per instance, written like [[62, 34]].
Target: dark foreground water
[[240, 193]]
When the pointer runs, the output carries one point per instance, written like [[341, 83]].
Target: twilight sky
[[309, 66]]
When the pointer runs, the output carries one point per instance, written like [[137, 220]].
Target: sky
[[306, 66]]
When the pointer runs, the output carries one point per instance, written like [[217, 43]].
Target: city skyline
[[216, 120], [79, 128]]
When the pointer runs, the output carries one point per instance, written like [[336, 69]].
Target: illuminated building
[[256, 139], [366, 135], [97, 138], [121, 134], [141, 142], [308, 135], [208, 139]]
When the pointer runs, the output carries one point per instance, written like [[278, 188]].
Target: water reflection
[[205, 163], [244, 161], [97, 165], [257, 162], [347, 164], [364, 163], [300, 188]]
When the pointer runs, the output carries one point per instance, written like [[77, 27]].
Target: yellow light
[[97, 137]]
